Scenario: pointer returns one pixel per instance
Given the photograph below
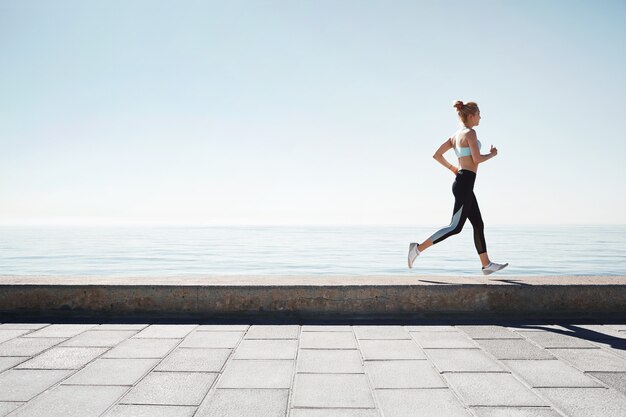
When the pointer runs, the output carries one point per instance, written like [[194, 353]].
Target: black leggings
[[465, 207]]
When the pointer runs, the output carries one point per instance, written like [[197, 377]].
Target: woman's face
[[474, 119]]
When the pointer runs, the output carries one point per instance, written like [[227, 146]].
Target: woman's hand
[[455, 170], [493, 151]]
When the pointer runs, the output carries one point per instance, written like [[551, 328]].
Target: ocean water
[[288, 250]]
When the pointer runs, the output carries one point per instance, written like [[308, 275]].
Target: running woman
[[467, 148]]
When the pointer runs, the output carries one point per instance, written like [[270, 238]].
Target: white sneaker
[[493, 267], [413, 253]]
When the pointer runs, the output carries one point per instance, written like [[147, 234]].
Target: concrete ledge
[[313, 296]]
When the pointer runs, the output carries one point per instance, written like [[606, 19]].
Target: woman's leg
[[462, 208], [476, 220]]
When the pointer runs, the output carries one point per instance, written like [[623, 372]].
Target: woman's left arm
[[445, 147]]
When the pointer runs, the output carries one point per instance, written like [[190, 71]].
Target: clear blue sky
[[308, 112]]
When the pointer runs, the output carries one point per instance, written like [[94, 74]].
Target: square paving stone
[[404, 374], [28, 346], [492, 389], [61, 330], [142, 348], [166, 331], [112, 372], [326, 328], [514, 349], [63, 358], [257, 374], [515, 412], [123, 410], [586, 402], [443, 340], [22, 326], [7, 407], [266, 349], [222, 328], [540, 373], [463, 360], [22, 385], [592, 359], [212, 339], [245, 402], [329, 361], [272, 332], [8, 362], [381, 332], [327, 340], [71, 401], [99, 338], [121, 326], [333, 412], [332, 390], [431, 328], [420, 403], [195, 360], [390, 349], [547, 339], [173, 388], [615, 380], [615, 346], [489, 332], [11, 334]]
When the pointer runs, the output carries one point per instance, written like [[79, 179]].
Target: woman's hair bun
[[458, 105]]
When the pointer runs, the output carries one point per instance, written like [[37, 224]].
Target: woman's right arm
[[472, 141]]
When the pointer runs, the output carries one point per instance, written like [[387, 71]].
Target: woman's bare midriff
[[466, 162]]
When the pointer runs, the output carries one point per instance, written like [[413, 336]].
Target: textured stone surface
[[71, 401], [420, 403], [333, 412], [540, 373], [515, 412], [63, 358], [121, 326], [22, 385], [381, 332], [404, 374], [173, 388], [327, 340], [325, 328], [195, 360], [329, 361], [22, 326], [272, 332], [390, 349], [332, 390], [492, 389], [142, 348], [112, 372], [514, 349], [11, 334], [615, 380], [244, 402], [587, 402], [443, 340], [257, 374], [166, 331], [61, 330], [266, 349], [547, 339], [592, 359], [28, 346], [463, 360], [223, 328], [99, 338], [489, 332], [212, 339], [7, 407], [127, 410], [8, 362]]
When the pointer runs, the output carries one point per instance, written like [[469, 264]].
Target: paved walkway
[[513, 370]]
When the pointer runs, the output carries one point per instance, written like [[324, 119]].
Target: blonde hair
[[464, 110]]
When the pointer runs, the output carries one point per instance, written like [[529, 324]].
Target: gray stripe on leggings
[[455, 222]]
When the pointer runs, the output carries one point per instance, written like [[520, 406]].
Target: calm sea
[[162, 251]]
